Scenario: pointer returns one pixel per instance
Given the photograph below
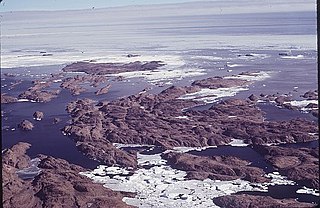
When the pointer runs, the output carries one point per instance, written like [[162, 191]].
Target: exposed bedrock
[[59, 184], [38, 115], [39, 95], [111, 68], [103, 90], [26, 125], [286, 101], [220, 82], [248, 201], [301, 165], [215, 167], [311, 95], [168, 121], [7, 99], [73, 83]]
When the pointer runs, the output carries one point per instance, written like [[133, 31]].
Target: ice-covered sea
[[276, 38]]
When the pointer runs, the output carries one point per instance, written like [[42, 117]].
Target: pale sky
[[28, 5]]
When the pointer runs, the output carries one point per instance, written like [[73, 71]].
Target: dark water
[[245, 153], [284, 192], [274, 113], [46, 137]]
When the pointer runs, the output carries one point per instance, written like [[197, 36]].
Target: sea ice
[[212, 95], [305, 190], [238, 143], [163, 186]]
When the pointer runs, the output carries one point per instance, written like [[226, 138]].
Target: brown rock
[[215, 167], [111, 68], [38, 115], [58, 185], [16, 156], [26, 125], [252, 97], [300, 165], [311, 95], [103, 90], [7, 99], [220, 82], [56, 120]]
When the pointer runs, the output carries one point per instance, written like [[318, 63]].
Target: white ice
[[212, 95], [305, 190], [238, 143], [301, 103], [162, 186]]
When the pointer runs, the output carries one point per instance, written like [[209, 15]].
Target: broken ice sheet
[[163, 186]]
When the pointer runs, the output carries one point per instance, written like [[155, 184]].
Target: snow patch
[[237, 143]]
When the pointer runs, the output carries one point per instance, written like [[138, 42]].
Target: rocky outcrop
[[58, 185], [311, 95], [7, 99], [248, 201], [215, 167], [26, 125], [56, 120], [163, 120], [300, 165], [16, 156], [73, 83], [103, 90], [220, 82], [39, 95], [38, 115], [16, 192], [111, 68], [284, 101]]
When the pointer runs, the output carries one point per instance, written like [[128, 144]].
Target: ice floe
[[237, 143], [301, 103], [305, 190], [163, 74], [212, 95], [293, 57], [162, 186], [26, 100]]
